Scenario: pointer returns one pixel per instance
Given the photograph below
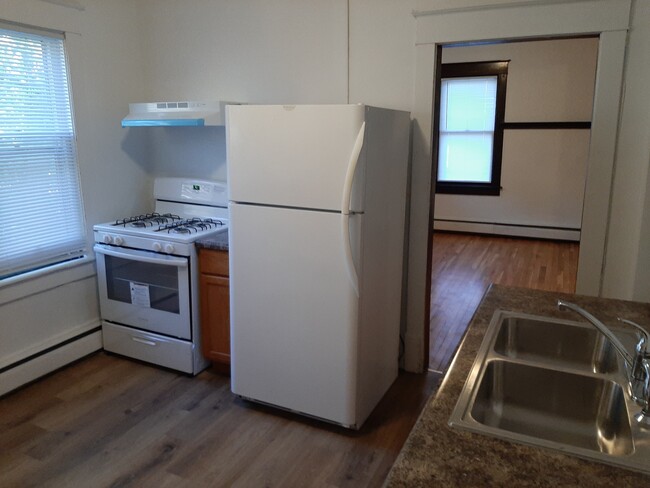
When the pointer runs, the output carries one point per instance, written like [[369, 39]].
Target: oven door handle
[[142, 256]]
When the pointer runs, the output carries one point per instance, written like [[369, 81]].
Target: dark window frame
[[473, 70]]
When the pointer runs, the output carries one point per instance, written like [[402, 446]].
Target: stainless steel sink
[[572, 409], [558, 343], [555, 384]]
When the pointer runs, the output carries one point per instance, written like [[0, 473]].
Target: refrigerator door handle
[[352, 167], [347, 248], [345, 209]]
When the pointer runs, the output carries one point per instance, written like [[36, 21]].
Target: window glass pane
[[467, 118], [468, 104], [465, 157], [40, 199]]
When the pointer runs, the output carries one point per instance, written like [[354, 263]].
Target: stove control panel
[[166, 248], [143, 243], [109, 239]]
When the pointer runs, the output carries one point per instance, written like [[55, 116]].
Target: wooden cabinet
[[215, 306]]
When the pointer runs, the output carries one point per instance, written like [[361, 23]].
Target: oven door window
[[145, 290], [143, 284]]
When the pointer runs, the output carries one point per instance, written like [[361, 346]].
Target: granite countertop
[[218, 242], [436, 455]]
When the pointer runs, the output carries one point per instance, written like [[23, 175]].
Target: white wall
[[194, 152], [382, 59], [259, 52], [548, 80], [103, 48], [543, 171], [642, 276], [627, 264], [285, 51], [114, 180]]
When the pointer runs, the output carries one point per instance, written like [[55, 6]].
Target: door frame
[[607, 19]]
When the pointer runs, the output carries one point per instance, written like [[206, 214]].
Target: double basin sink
[[555, 384]]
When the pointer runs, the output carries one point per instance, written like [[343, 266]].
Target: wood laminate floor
[[106, 421], [465, 264]]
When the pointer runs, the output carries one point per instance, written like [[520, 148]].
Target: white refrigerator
[[317, 201]]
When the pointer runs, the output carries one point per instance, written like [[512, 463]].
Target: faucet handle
[[642, 398]]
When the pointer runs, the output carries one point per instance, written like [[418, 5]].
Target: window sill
[[40, 280], [468, 189]]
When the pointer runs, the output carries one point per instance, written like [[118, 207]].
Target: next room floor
[[465, 264]]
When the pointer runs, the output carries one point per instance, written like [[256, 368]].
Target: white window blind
[[41, 213], [467, 115]]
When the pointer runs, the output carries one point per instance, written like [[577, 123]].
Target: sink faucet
[[637, 364]]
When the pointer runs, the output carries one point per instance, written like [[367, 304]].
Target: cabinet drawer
[[213, 262]]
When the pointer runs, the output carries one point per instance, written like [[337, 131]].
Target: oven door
[[144, 289]]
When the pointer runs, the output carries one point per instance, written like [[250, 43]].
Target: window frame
[[76, 248], [475, 70]]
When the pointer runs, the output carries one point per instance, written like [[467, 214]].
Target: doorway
[[535, 20], [541, 140]]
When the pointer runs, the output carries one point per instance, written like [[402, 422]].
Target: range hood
[[175, 114]]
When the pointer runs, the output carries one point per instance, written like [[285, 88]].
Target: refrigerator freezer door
[[294, 156], [294, 312]]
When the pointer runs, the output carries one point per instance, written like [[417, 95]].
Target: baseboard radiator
[[44, 362]]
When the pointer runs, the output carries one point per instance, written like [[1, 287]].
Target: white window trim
[[80, 256]]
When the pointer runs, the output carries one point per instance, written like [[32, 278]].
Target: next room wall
[[543, 170]]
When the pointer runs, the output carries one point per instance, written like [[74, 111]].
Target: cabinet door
[[215, 318]]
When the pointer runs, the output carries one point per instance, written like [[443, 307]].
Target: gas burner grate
[[148, 220], [190, 226]]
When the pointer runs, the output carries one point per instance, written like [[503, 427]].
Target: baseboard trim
[[508, 230], [70, 334], [55, 358]]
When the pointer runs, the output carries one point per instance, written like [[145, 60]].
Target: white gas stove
[[186, 210], [148, 273]]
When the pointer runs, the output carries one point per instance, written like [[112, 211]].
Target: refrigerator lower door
[[294, 312]]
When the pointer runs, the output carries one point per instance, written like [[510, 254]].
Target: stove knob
[[107, 239], [118, 241], [156, 246], [169, 248]]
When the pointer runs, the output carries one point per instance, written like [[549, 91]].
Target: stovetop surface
[[165, 226], [176, 221]]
